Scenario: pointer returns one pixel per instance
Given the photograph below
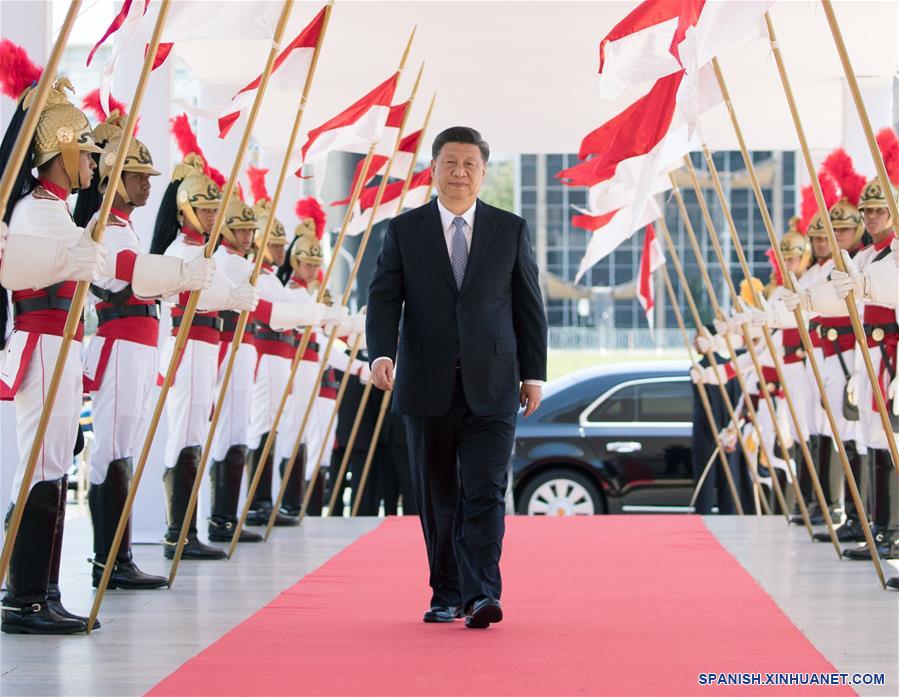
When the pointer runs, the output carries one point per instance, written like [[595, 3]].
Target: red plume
[[775, 267], [810, 206], [851, 183], [17, 70], [240, 192], [311, 208], [320, 276], [257, 184], [889, 149], [187, 143], [91, 103]]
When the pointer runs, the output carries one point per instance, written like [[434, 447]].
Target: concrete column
[[877, 94]]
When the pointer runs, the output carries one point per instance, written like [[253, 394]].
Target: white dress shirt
[[446, 220]]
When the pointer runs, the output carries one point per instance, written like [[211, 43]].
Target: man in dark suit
[[472, 349]]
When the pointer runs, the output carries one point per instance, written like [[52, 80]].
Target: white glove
[[892, 394], [364, 373], [84, 261], [737, 320], [358, 323], [721, 326], [852, 390], [790, 299], [894, 246], [850, 281], [756, 317], [703, 344], [244, 297], [335, 316], [198, 274], [4, 231], [728, 438], [696, 375], [345, 326]]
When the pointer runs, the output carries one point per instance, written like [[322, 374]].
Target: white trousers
[[120, 405], [869, 417], [272, 373], [234, 419], [190, 398], [803, 393], [295, 409], [55, 457], [835, 386], [318, 438]]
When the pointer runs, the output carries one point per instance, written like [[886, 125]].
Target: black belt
[[43, 302], [879, 331], [312, 346], [266, 335], [229, 320], [116, 298], [831, 333], [108, 314], [199, 321]]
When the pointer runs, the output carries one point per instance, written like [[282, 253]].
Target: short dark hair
[[460, 134]]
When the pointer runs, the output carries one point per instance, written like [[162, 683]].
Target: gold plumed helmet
[[238, 216], [278, 234], [873, 195], [795, 244], [137, 160], [62, 129], [307, 247], [196, 190]]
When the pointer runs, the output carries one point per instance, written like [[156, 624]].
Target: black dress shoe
[[850, 531], [893, 582], [442, 613], [484, 612]]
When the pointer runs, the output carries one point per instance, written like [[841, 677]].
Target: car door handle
[[624, 447]]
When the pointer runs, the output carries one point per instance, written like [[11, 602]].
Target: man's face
[[86, 167], [793, 264], [137, 186], [459, 171], [845, 237], [821, 247], [206, 216], [308, 272], [877, 220], [278, 253], [244, 238]]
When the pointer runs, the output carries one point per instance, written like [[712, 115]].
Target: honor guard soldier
[[871, 276], [274, 347], [120, 362], [186, 216], [301, 275], [46, 254]]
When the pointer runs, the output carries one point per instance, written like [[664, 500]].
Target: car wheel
[[560, 492]]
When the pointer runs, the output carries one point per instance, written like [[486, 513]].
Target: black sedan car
[[608, 439]]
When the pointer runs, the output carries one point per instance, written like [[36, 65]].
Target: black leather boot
[[885, 510], [831, 474], [54, 594], [292, 502], [317, 498], [262, 505], [225, 477], [805, 485], [851, 528], [106, 501], [25, 606], [178, 482]]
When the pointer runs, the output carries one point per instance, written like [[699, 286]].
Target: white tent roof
[[524, 72]]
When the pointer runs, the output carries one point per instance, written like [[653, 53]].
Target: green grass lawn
[[562, 362]]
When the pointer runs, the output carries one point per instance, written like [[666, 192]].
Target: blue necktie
[[459, 257]]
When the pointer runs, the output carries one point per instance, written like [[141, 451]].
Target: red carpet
[[620, 605]]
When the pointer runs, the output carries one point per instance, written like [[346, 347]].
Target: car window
[[665, 401], [619, 407]]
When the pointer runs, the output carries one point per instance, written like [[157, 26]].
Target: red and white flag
[[612, 229], [389, 206], [189, 20], [357, 126], [377, 166], [288, 73], [652, 258]]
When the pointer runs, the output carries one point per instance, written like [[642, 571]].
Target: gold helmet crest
[[196, 190], [238, 216]]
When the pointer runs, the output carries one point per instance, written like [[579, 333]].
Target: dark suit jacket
[[494, 326]]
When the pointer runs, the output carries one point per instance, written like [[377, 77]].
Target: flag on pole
[[389, 206], [288, 73], [358, 125], [378, 164], [652, 258], [189, 20], [613, 229]]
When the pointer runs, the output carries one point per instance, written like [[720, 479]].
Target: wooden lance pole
[[323, 366], [360, 410], [244, 316], [189, 310], [766, 331], [73, 319], [747, 401]]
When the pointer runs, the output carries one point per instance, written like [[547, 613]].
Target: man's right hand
[[382, 374]]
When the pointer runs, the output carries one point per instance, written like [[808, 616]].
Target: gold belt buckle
[[770, 387], [878, 334], [832, 334], [800, 352]]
